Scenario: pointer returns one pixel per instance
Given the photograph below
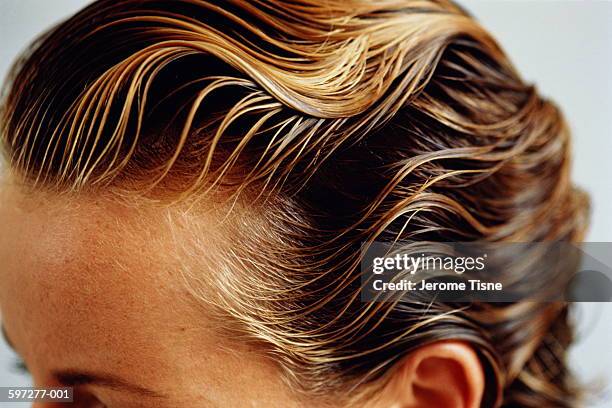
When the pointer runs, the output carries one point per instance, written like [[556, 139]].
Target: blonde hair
[[348, 121]]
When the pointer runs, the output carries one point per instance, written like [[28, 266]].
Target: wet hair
[[341, 122]]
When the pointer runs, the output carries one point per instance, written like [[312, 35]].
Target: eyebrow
[[73, 378]]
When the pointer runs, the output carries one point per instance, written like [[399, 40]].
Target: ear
[[443, 375]]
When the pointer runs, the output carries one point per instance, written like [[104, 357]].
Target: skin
[[91, 297], [75, 297]]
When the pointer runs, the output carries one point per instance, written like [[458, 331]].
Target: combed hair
[[345, 121]]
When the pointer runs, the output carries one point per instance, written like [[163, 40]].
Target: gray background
[[565, 47]]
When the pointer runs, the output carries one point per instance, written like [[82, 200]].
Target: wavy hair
[[343, 122]]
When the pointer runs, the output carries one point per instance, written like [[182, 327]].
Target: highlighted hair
[[354, 121]]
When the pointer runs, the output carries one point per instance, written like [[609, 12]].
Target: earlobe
[[445, 374]]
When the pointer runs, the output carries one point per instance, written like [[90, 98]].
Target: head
[[188, 184]]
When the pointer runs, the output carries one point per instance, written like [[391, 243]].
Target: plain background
[[565, 47]]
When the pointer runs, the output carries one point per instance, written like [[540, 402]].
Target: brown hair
[[342, 121]]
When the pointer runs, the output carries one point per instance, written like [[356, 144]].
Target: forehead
[[74, 234], [82, 237], [92, 283], [87, 274]]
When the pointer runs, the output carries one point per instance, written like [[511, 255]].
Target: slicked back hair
[[353, 121]]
